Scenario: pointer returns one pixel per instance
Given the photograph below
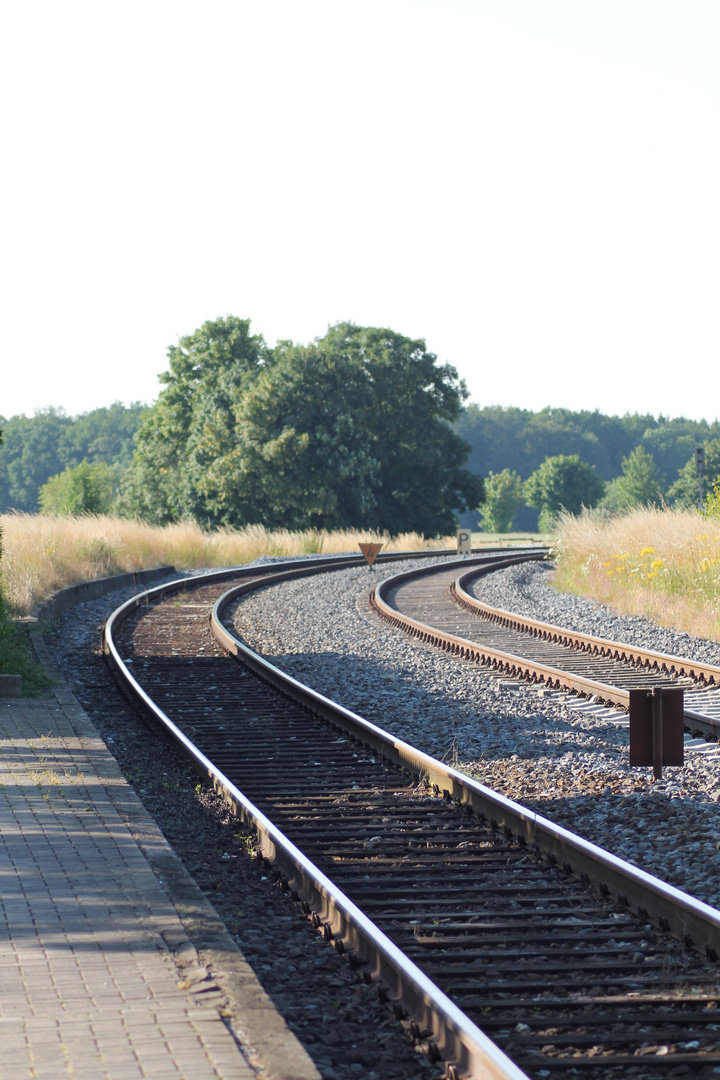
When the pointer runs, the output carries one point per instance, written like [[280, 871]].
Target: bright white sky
[[533, 186]]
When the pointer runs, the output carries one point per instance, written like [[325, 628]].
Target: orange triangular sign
[[370, 551]]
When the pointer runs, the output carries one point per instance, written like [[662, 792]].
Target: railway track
[[573, 962], [441, 608]]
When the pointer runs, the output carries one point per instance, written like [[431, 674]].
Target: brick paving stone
[[87, 979]]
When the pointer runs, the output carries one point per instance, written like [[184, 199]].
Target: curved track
[[420, 603], [487, 899]]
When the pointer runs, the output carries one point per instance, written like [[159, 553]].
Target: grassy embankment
[[664, 564], [43, 553], [661, 563]]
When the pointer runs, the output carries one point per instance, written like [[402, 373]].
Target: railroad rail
[[476, 916], [419, 602]]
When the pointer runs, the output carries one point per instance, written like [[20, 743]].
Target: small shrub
[[87, 488], [503, 495], [16, 657], [712, 503]]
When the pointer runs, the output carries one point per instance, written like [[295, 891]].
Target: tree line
[[354, 430], [36, 448], [636, 459], [361, 428]]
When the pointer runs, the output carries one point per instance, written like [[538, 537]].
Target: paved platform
[[113, 966]]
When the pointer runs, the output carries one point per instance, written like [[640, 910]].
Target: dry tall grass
[[661, 563], [42, 554]]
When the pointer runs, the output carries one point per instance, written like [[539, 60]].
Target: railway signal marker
[[656, 728], [370, 551], [464, 541]]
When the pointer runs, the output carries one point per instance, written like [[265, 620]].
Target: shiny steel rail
[[682, 914], [456, 1036], [658, 665]]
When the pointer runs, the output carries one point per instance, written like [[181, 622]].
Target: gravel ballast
[[567, 760], [570, 763]]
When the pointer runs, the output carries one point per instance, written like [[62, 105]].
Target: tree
[[87, 488], [33, 450], [639, 484], [408, 406], [191, 423], [351, 430], [518, 439], [686, 489], [299, 456], [503, 495], [41, 446], [672, 442], [1, 439], [105, 434], [563, 482]]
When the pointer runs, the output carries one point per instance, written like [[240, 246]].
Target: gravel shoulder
[[570, 765]]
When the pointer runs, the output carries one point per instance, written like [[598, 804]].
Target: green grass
[[16, 657]]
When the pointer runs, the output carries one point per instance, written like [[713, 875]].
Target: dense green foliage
[[639, 484], [503, 495], [87, 488], [520, 440], [39, 447], [711, 506], [361, 427], [351, 430], [563, 482], [686, 489], [510, 438], [192, 422]]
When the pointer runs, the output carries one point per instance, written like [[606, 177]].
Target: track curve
[[495, 841], [439, 607]]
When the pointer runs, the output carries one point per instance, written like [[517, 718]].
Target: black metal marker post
[[657, 728]]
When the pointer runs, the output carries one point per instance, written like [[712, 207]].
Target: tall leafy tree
[[298, 456], [192, 421], [639, 485], [351, 430], [563, 482], [503, 495], [409, 405]]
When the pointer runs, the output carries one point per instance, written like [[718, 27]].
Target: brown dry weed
[[45, 553], [661, 563]]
